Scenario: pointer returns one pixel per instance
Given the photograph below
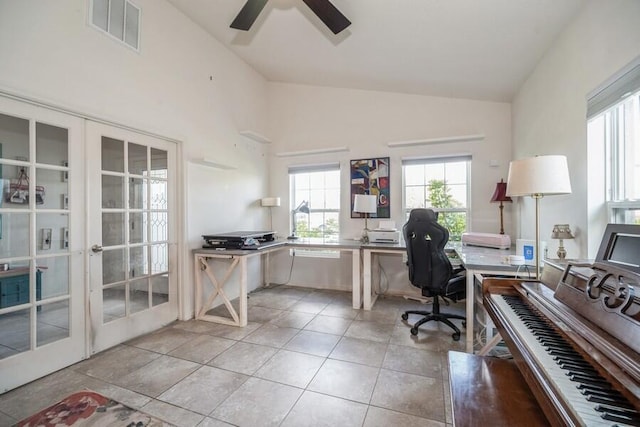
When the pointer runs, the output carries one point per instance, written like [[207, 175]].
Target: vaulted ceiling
[[476, 49]]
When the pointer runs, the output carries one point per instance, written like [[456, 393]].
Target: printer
[[385, 233]]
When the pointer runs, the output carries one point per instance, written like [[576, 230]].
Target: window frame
[[313, 209], [440, 160]]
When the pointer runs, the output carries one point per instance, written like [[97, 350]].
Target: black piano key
[[630, 417], [589, 379], [611, 394], [607, 400]]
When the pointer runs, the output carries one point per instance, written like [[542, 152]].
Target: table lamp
[[500, 195], [561, 232], [302, 207], [365, 204], [270, 202], [538, 177]]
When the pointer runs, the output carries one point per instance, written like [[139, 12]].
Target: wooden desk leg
[[488, 346], [243, 291], [218, 290], [366, 274], [356, 289], [470, 309]]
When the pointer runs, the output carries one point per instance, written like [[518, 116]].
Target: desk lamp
[[302, 207], [561, 232], [500, 195], [270, 202], [538, 177], [365, 204]]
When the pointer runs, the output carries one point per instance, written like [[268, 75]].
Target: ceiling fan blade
[[248, 14], [328, 14]]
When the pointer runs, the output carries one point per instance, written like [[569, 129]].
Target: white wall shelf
[[444, 140], [312, 152], [255, 136]]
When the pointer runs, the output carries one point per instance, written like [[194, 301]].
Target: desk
[[476, 260], [239, 258]]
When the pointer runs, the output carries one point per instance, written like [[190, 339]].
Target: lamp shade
[[561, 231], [365, 203], [500, 193], [541, 175], [270, 201]]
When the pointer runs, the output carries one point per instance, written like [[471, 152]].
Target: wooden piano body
[[603, 330]]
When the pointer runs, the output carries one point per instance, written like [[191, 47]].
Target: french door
[[132, 234], [42, 235]]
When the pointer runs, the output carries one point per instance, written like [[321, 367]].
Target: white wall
[[182, 84], [307, 118], [549, 115]]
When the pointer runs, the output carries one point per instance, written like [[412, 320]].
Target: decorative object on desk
[[90, 408], [365, 204], [561, 232], [371, 176], [270, 202], [302, 207], [500, 195], [537, 177]]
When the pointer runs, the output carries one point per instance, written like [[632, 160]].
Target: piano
[[577, 343]]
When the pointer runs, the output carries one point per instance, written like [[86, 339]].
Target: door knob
[[96, 248]]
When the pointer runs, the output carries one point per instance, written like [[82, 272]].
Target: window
[[614, 125], [315, 189], [442, 185], [118, 18]]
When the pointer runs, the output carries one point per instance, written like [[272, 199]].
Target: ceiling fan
[[326, 11]]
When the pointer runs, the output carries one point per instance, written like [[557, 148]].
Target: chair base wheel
[[405, 316], [414, 331], [456, 336]]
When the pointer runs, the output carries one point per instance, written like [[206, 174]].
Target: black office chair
[[430, 268]]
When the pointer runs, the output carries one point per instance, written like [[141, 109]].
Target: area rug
[[88, 408]]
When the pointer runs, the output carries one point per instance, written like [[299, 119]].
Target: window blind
[[626, 83], [321, 167]]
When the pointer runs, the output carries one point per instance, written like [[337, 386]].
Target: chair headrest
[[423, 215]]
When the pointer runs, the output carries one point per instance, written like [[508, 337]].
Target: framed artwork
[[371, 176]]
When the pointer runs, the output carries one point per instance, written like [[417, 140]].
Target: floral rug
[[88, 408]]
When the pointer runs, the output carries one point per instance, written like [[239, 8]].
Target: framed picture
[[371, 176]]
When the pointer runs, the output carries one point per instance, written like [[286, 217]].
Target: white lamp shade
[[544, 175], [270, 201], [365, 203]]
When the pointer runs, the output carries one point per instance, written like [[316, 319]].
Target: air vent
[[118, 18]]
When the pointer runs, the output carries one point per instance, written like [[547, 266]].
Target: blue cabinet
[[14, 287]]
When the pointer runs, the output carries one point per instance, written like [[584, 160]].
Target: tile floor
[[305, 359]]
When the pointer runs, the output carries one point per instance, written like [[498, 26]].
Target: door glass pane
[[15, 286], [158, 194], [137, 227], [112, 154], [160, 289], [137, 195], [137, 159], [52, 277], [15, 186], [51, 232], [16, 336], [52, 189], [116, 18], [138, 261], [14, 137], [159, 226], [131, 26], [113, 303], [14, 240], [112, 192], [113, 266], [159, 259], [53, 322], [112, 229], [139, 295], [52, 145], [159, 161]]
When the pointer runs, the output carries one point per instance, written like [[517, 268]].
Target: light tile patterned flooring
[[305, 359]]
